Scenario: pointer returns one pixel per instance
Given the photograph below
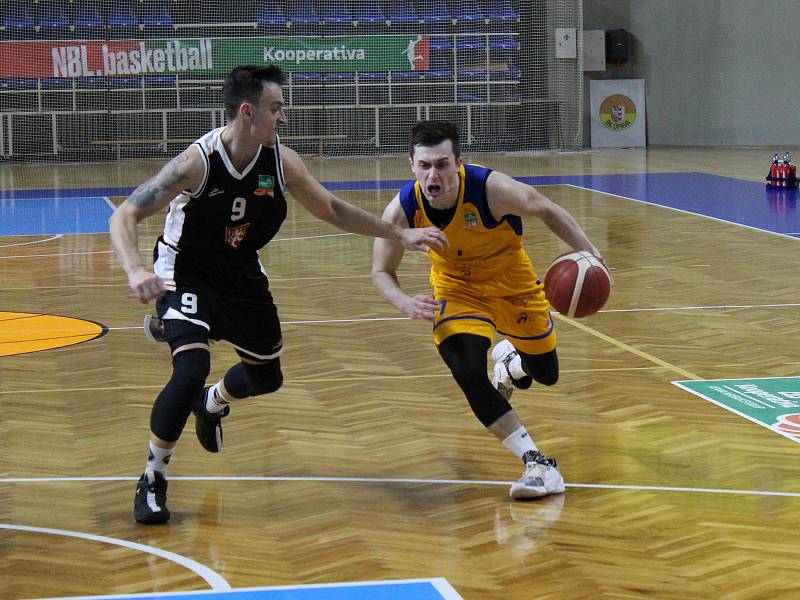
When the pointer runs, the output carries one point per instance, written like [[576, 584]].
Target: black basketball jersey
[[229, 219]]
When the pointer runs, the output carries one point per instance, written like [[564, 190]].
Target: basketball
[[577, 284]]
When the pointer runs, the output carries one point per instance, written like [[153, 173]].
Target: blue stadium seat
[[307, 78], [370, 17], [305, 88], [501, 15], [122, 21], [471, 50], [19, 83], [124, 82], [270, 18], [339, 77], [435, 16], [53, 20], [18, 20], [503, 48], [340, 87], [91, 83], [336, 18], [155, 17], [503, 42], [159, 81], [373, 76], [56, 83], [468, 16], [441, 51], [402, 17], [472, 74], [303, 18], [509, 74], [88, 20], [468, 97]]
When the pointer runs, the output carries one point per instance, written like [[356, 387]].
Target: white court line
[[712, 307], [213, 578], [309, 237], [615, 310], [680, 210], [473, 482], [53, 237], [59, 254]]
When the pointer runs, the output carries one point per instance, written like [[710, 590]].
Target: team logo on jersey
[[266, 186], [234, 236], [470, 219]]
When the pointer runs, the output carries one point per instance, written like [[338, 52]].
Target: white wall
[[716, 71]]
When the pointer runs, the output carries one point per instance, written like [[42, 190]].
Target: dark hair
[[245, 84], [431, 133]]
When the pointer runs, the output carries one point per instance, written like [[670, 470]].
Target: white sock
[[158, 459], [214, 400], [520, 442]]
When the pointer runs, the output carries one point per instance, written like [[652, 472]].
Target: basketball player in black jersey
[[226, 201]]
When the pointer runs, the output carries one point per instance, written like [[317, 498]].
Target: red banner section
[[105, 58]]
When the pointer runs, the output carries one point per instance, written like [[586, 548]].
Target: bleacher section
[[473, 73]]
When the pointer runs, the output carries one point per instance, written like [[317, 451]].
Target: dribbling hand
[[422, 307], [145, 285]]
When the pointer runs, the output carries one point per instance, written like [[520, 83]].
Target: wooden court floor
[[368, 464]]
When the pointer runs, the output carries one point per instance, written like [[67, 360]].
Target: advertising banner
[[206, 56], [772, 402], [618, 113]]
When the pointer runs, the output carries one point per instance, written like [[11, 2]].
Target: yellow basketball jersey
[[485, 256]]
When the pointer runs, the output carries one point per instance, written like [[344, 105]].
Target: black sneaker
[[208, 426], [150, 503]]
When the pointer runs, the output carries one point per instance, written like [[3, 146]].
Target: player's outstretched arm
[[326, 206], [184, 172], [386, 257], [507, 196]]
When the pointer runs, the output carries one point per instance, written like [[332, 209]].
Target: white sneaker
[[502, 354], [540, 478]]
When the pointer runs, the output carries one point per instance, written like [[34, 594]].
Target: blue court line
[[738, 201], [412, 589], [54, 215]]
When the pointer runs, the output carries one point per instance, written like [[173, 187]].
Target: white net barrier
[[85, 80]]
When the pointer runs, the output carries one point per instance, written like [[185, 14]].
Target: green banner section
[[210, 56], [773, 402]]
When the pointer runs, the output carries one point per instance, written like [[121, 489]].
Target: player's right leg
[[186, 329]]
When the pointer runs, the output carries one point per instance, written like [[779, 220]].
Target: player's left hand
[[422, 240]]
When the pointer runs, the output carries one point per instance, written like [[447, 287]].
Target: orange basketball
[[577, 284]]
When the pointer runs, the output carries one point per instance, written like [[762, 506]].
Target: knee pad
[[247, 379], [173, 405], [542, 367], [488, 406]]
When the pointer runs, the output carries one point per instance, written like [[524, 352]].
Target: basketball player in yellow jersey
[[483, 283]]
